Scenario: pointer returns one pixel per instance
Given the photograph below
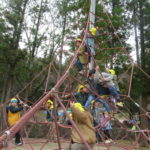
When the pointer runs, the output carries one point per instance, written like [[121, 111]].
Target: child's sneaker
[[18, 144], [108, 141], [120, 104]]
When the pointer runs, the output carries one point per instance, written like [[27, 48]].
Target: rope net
[[37, 133]]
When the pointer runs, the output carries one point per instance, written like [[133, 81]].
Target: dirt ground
[[37, 144]]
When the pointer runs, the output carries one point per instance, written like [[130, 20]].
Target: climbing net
[[57, 131]]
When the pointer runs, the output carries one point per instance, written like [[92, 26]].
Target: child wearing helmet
[[113, 73], [100, 116], [13, 114], [81, 94], [92, 96], [89, 41], [84, 122], [107, 80], [89, 44], [49, 106], [83, 56]]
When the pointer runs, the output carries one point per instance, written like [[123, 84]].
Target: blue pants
[[92, 51], [113, 92], [93, 97], [78, 65]]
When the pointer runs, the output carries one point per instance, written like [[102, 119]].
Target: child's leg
[[113, 102], [98, 136], [106, 132], [91, 64], [17, 137], [105, 104], [88, 102], [92, 51], [114, 92]]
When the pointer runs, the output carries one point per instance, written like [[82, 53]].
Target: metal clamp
[[53, 89]]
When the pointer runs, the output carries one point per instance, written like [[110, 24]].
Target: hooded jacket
[[84, 122], [109, 79], [13, 114], [84, 59]]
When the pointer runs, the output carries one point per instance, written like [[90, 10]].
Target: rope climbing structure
[[66, 85]]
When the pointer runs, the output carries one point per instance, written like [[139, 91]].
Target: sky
[[131, 41]]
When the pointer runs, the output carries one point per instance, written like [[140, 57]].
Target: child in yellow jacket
[[83, 56], [13, 113]]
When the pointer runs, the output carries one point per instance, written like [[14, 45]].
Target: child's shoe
[[120, 104]]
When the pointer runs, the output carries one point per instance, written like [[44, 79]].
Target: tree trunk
[[136, 36], [37, 30], [9, 87], [144, 97], [19, 30], [62, 44], [4, 90], [142, 38], [144, 119]]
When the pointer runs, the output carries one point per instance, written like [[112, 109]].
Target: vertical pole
[[47, 80], [130, 81], [91, 25], [9, 145], [62, 43], [56, 126], [92, 13]]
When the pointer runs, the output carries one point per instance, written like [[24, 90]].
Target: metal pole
[[130, 81], [91, 25], [56, 126], [92, 13]]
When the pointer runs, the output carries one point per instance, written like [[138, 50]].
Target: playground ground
[[38, 143]]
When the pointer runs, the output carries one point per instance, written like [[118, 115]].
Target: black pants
[[107, 134], [17, 137], [98, 136]]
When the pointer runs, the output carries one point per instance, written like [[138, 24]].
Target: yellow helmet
[[14, 100], [51, 102], [112, 71], [79, 106], [93, 31], [80, 87], [78, 39], [103, 96]]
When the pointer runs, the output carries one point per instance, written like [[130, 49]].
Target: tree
[[141, 83], [25, 32], [12, 23], [143, 8]]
